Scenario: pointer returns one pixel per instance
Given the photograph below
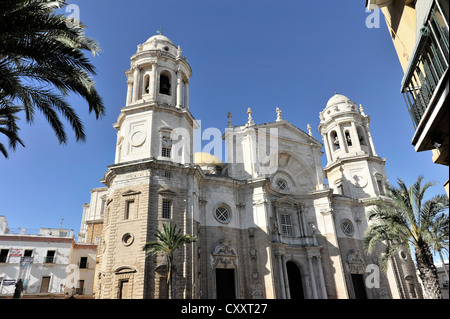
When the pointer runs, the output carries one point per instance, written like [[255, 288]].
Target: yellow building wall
[[401, 22]]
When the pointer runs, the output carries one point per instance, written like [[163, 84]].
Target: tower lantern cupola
[[345, 129], [159, 74], [156, 121], [354, 168]]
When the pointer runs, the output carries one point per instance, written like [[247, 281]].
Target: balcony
[[425, 85]]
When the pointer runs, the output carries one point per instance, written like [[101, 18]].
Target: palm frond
[[42, 61]]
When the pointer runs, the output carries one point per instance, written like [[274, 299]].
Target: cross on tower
[[160, 31]]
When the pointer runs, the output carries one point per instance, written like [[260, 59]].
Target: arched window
[[380, 184], [164, 83], [348, 138], [335, 140], [146, 84]]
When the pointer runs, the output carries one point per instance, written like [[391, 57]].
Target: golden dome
[[202, 158]]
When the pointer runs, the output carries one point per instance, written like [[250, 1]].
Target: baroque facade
[[268, 225]]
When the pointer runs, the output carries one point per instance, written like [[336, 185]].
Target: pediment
[[290, 131], [286, 201], [130, 192], [124, 270], [167, 192]]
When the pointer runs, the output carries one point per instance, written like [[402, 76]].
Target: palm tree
[[407, 220], [42, 61], [8, 127], [169, 240]]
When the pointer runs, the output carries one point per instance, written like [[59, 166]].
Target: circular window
[[166, 48], [281, 184], [347, 227], [127, 239], [223, 214], [403, 255]]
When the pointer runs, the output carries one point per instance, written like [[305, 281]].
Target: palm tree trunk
[[170, 275], [427, 271]]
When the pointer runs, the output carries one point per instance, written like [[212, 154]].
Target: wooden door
[[45, 283]]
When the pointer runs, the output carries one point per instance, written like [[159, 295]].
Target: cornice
[[355, 158], [140, 165], [144, 106]]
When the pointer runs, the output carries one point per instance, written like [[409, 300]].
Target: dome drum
[[338, 105]]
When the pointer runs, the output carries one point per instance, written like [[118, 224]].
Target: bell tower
[[354, 169], [149, 183], [156, 121]]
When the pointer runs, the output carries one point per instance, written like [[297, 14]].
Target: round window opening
[[281, 184], [223, 214], [347, 227], [127, 239]]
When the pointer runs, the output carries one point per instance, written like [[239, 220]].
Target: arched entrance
[[295, 281]]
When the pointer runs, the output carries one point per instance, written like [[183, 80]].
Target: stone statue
[[279, 114]]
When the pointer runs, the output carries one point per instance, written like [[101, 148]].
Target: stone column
[[300, 223], [342, 142], [129, 91], [154, 81], [280, 267], [313, 277], [179, 89], [372, 146], [304, 225], [136, 83], [186, 95], [322, 280], [327, 148], [355, 137], [286, 279]]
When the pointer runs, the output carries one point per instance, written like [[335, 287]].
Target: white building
[[41, 261]]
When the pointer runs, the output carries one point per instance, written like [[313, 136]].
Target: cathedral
[[271, 222]]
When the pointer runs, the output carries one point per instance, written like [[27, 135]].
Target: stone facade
[[267, 223]]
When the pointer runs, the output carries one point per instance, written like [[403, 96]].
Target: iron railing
[[428, 65]]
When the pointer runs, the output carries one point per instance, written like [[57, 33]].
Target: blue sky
[[261, 54]]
